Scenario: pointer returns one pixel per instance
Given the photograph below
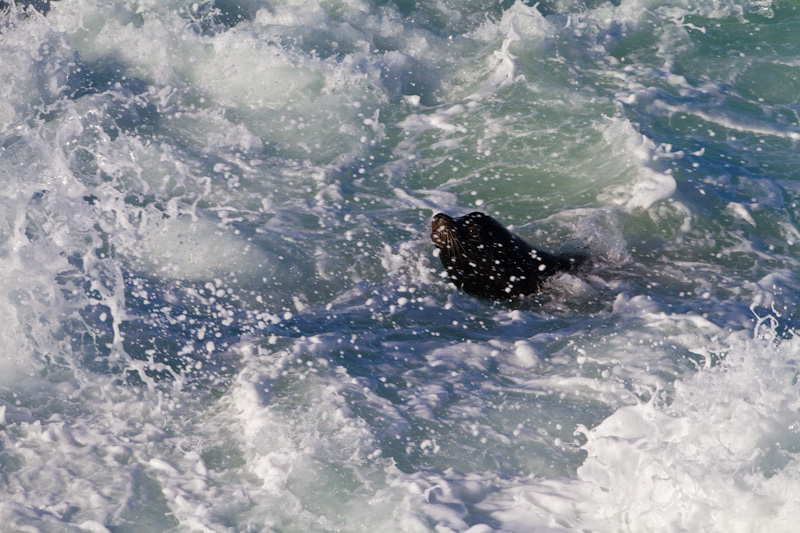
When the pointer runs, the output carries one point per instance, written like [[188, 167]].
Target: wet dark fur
[[484, 259]]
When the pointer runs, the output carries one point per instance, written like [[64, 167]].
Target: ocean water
[[220, 309]]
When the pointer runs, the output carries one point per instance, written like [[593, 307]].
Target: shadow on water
[[23, 6], [217, 16], [188, 331], [442, 397], [99, 76]]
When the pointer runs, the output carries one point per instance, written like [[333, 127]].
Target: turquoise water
[[221, 310]]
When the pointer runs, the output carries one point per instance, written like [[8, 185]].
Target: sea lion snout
[[441, 227], [441, 219]]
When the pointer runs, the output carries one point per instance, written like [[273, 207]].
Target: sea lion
[[484, 259]]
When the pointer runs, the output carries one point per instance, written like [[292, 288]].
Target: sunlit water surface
[[220, 309]]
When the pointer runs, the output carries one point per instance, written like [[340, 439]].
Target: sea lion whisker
[[458, 248], [452, 243]]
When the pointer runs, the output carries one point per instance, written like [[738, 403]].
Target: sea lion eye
[[474, 231]]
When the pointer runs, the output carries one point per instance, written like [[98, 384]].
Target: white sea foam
[[685, 465], [220, 310], [637, 152]]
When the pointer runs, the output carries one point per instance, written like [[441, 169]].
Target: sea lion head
[[483, 258]]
